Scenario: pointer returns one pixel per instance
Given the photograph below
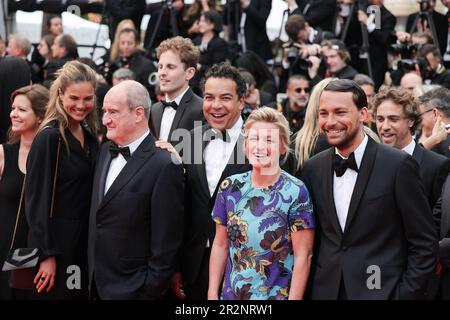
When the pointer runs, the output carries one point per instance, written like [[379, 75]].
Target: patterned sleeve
[[301, 211], [219, 213]]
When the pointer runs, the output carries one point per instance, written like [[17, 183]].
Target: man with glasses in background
[[294, 106]]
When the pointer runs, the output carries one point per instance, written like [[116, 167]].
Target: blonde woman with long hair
[[306, 140], [124, 24], [58, 184]]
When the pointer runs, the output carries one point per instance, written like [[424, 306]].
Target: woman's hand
[[46, 275]]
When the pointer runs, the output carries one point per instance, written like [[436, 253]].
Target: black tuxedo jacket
[[318, 13], [135, 229], [389, 225], [434, 169], [443, 147], [256, 38], [189, 110], [199, 226]]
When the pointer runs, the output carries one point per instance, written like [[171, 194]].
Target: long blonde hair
[[127, 23], [72, 72], [307, 136]]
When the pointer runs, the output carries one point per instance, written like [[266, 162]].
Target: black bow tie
[[341, 165], [172, 104], [114, 149], [222, 135]]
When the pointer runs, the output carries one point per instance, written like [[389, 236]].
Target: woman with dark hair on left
[[27, 112]]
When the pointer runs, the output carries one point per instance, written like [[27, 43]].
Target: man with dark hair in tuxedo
[[214, 153], [136, 216], [376, 238]]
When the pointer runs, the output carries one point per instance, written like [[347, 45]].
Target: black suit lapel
[[157, 111], [327, 176], [201, 168], [106, 161], [235, 163], [363, 177], [418, 154], [134, 164], [180, 111]]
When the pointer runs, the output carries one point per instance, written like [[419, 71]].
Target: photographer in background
[[435, 72], [304, 41], [335, 63], [132, 57], [440, 22]]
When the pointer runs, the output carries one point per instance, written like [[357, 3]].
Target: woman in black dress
[[58, 188], [27, 112]]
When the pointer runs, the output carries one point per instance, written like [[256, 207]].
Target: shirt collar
[[135, 144], [359, 152], [179, 97], [236, 129], [410, 147], [312, 34]]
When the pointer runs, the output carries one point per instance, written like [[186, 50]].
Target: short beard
[[348, 140]]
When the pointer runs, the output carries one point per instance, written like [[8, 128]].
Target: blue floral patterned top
[[259, 223]]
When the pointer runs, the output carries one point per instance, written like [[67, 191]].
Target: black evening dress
[[10, 189], [65, 234]]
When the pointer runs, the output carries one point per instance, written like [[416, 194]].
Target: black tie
[[341, 165], [114, 149], [222, 135], [172, 104]]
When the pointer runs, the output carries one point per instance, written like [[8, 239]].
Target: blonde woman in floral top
[[264, 221]]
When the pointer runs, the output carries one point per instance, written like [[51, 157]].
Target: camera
[[292, 53], [405, 50], [408, 65], [107, 68]]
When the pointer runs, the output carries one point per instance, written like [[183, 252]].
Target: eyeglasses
[[425, 112], [299, 90]]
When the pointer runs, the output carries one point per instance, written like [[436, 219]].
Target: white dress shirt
[[118, 163], [217, 154], [168, 116], [343, 186], [410, 147]]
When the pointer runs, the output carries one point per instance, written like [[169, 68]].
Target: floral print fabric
[[259, 224]]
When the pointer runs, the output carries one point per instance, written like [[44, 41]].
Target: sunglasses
[[299, 90]]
